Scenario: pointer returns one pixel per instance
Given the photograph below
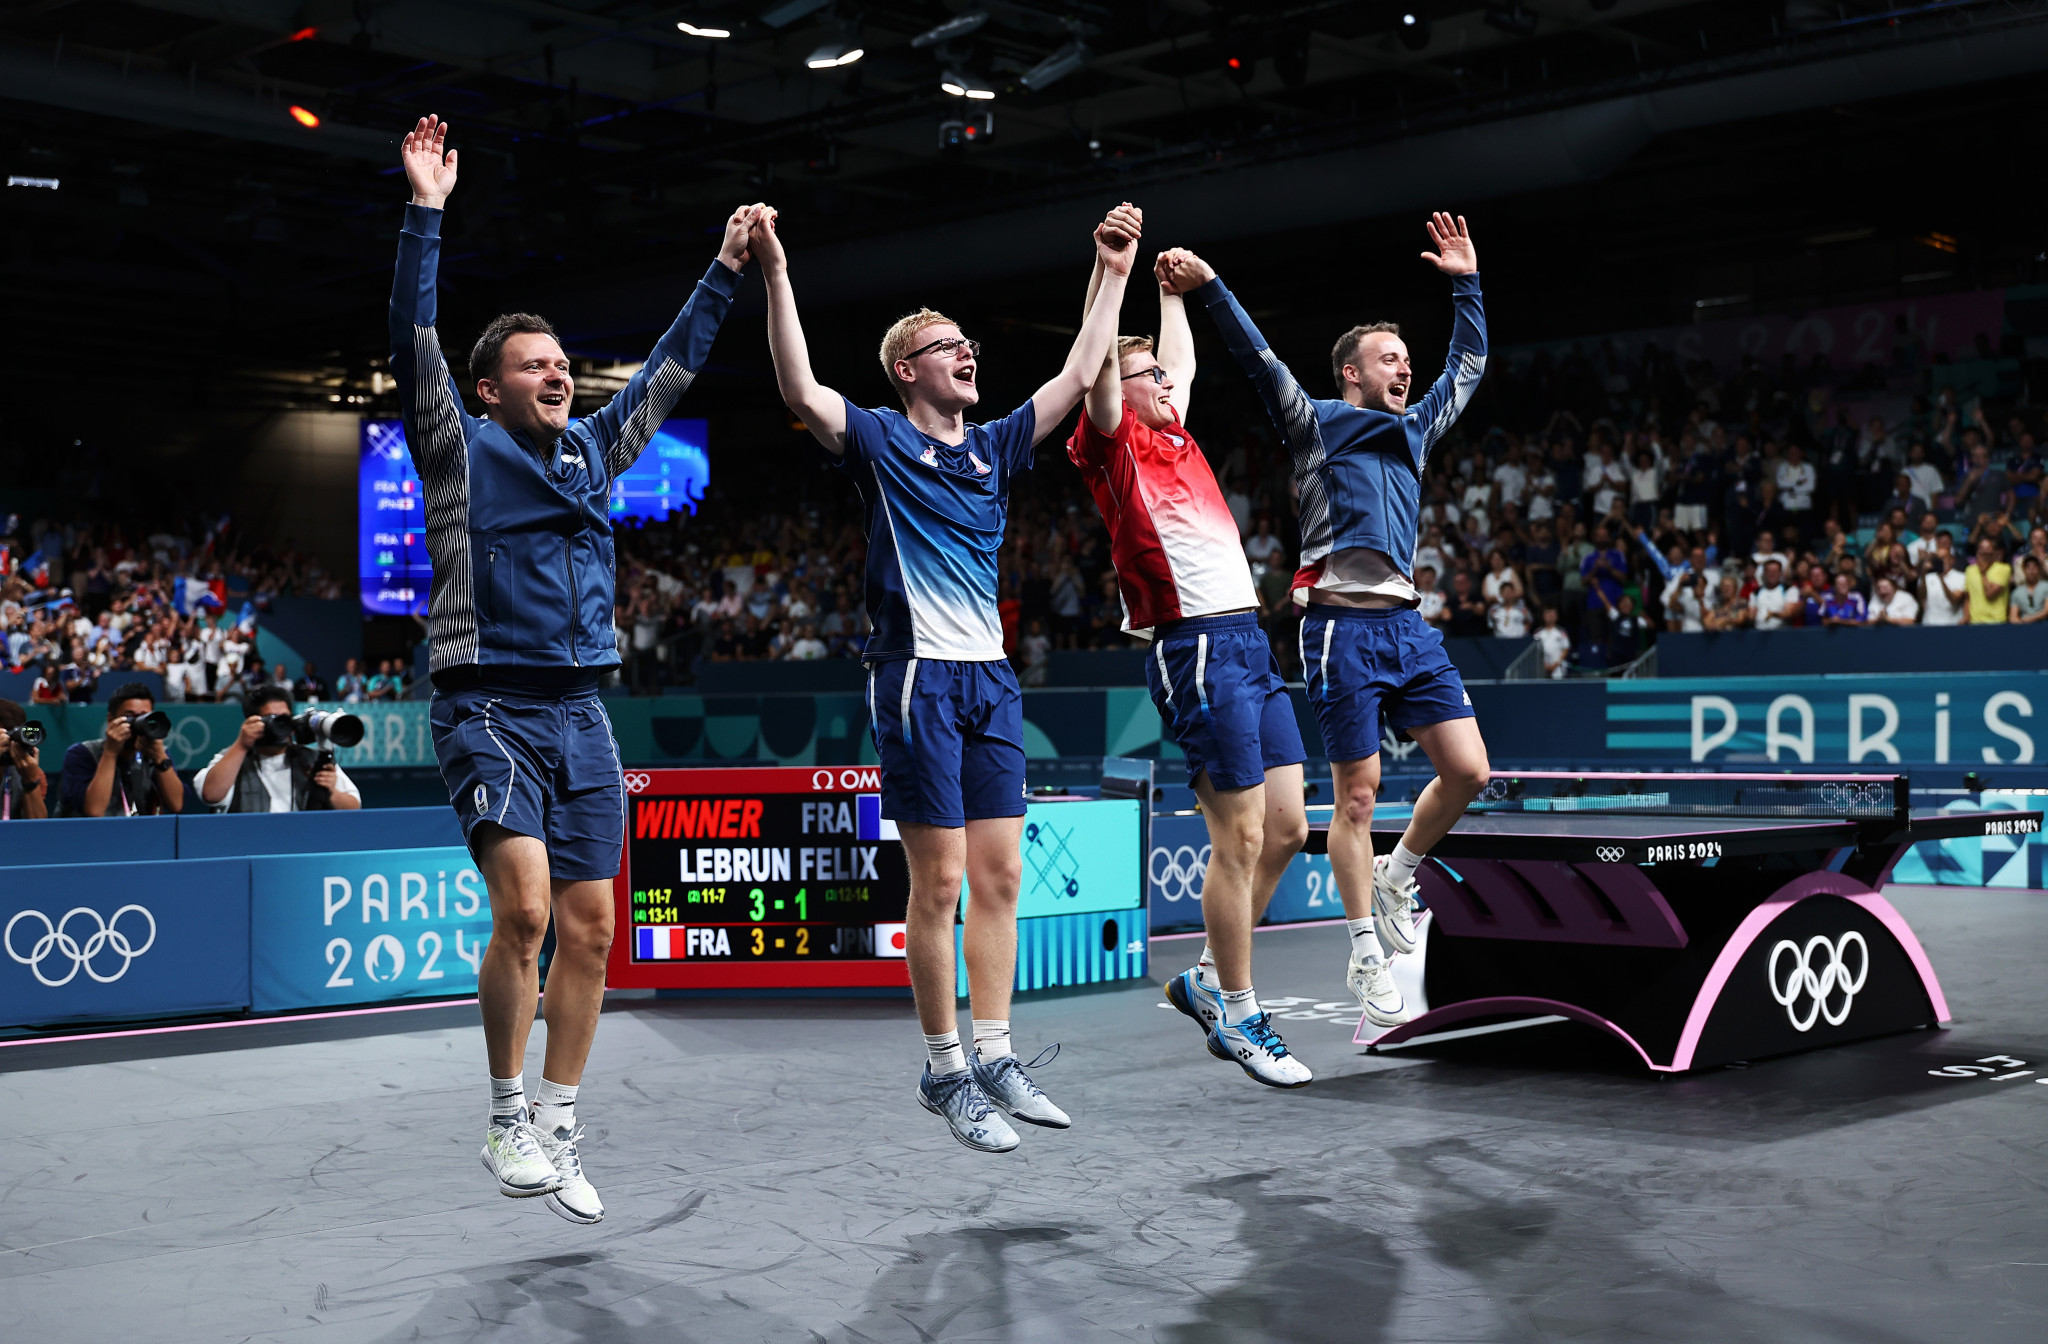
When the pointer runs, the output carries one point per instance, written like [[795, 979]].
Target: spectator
[[807, 647], [1468, 608], [1920, 549], [351, 687], [1944, 592], [1036, 650], [1983, 489], [124, 773], [1843, 605], [1262, 545], [1892, 605], [1555, 643], [2030, 595], [263, 770], [1509, 617], [1796, 483], [49, 688], [1430, 599], [309, 686], [1685, 603], [1728, 611], [22, 781], [1927, 480], [1989, 584], [1626, 633], [1774, 602]]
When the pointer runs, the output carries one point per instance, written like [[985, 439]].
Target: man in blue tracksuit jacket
[[518, 526], [1367, 655]]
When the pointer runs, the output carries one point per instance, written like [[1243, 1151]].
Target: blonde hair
[[901, 338], [1130, 345]]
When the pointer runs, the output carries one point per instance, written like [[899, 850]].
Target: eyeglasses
[[946, 346], [1155, 373]]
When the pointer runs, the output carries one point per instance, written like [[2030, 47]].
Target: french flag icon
[[662, 943], [869, 823], [889, 939]]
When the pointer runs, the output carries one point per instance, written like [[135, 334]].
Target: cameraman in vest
[[263, 770]]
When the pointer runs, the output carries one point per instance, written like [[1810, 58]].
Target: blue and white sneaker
[[958, 1097], [1004, 1081], [1187, 993], [1255, 1047], [1371, 981], [1393, 911]]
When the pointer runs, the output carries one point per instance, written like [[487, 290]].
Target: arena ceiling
[[224, 170]]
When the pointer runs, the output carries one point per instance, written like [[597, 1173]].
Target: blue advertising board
[[124, 940], [1973, 718], [365, 927]]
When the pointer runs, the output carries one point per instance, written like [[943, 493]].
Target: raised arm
[[620, 431], [1116, 247], [1104, 405], [429, 401], [1455, 257], [817, 405], [1292, 413], [1176, 349]]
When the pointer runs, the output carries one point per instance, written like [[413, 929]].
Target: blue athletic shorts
[[1368, 664], [547, 768], [1217, 685], [951, 739]]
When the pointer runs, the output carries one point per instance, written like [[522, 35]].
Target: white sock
[[508, 1096], [1239, 1005], [554, 1106], [1205, 969], [946, 1054], [1402, 863], [1363, 943], [991, 1038]]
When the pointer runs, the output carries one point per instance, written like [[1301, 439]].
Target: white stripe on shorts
[[1159, 651], [909, 680], [1202, 668]]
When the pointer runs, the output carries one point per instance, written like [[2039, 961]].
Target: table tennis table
[[1703, 919]]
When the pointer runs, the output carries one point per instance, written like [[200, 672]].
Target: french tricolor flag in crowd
[[190, 595], [869, 823], [37, 569], [659, 942]]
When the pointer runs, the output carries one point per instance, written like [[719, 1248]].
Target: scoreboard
[[775, 877]]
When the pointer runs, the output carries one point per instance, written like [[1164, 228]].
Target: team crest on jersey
[[980, 467], [569, 461], [930, 457], [483, 799]]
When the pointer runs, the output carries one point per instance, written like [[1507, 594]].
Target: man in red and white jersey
[[1184, 581]]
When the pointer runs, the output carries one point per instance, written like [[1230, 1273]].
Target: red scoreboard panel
[[774, 878]]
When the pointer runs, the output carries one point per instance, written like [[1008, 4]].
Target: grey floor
[[769, 1178]]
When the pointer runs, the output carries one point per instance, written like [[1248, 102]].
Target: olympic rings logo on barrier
[[1496, 791], [1184, 869], [1856, 795], [1807, 982], [56, 939], [637, 781], [1610, 853]]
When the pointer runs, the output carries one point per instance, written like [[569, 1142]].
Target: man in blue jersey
[[519, 529], [944, 704], [1368, 657]]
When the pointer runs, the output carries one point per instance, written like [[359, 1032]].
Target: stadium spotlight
[[845, 51], [965, 86], [950, 29], [1240, 67], [1057, 66], [694, 31], [1511, 18], [309, 120], [1413, 29]]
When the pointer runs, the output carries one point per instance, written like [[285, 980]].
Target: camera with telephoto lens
[[329, 728], [30, 734], [277, 731], [155, 725]]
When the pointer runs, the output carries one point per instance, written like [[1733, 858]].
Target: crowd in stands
[[1589, 502], [82, 602]]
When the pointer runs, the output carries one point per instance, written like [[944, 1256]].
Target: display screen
[[394, 572], [736, 877]]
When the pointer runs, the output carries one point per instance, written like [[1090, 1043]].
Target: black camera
[[277, 731], [155, 725], [328, 728], [30, 734]]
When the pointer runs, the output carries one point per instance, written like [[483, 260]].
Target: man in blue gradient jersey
[[943, 703], [1368, 657], [519, 529]]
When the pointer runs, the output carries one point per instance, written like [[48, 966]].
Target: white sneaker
[[1393, 910], [1371, 982], [1256, 1048], [1013, 1091], [512, 1153], [575, 1199], [957, 1098]]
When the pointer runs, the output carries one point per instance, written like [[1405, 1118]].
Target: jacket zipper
[[575, 601]]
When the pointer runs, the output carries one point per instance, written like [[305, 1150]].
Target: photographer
[[22, 781], [264, 770], [128, 769]]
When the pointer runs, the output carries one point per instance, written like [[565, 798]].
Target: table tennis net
[[1858, 797]]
